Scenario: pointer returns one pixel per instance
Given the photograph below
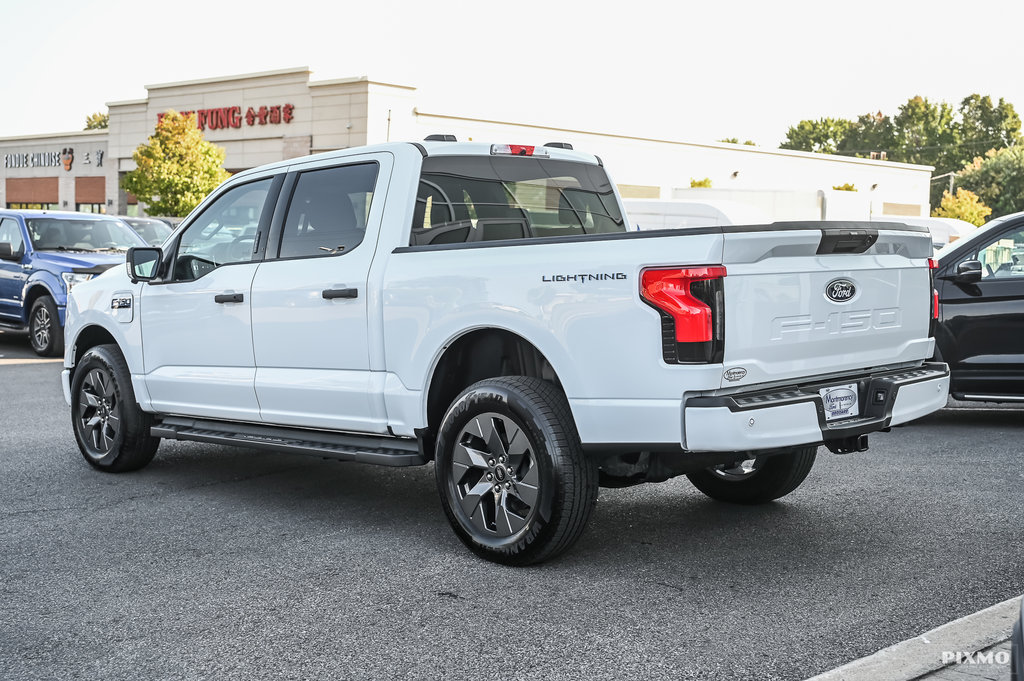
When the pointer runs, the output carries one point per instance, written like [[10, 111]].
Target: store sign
[[232, 116], [52, 159]]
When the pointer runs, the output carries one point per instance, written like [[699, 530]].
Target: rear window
[[489, 198]]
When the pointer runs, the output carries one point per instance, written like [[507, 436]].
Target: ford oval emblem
[[734, 374], [840, 290]]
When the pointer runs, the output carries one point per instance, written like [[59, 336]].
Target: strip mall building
[[264, 117]]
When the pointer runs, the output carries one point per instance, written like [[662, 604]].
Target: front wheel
[[758, 480], [112, 432], [513, 478], [45, 333]]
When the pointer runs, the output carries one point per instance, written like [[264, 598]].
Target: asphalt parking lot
[[233, 564]]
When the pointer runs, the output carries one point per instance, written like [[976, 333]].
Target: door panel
[[197, 326], [198, 352], [983, 322], [12, 274], [309, 311]]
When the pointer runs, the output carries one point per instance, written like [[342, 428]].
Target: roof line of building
[[709, 145], [357, 79], [243, 76], [45, 135]]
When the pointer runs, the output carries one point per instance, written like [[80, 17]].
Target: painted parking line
[[29, 360]]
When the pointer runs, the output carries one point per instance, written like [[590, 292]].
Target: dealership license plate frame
[[841, 413]]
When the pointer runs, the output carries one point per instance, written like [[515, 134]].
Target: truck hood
[[78, 261]]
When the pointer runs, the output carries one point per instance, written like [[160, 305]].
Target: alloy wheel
[[99, 412], [495, 476], [41, 328]]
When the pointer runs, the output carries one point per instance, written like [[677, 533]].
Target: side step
[[379, 450]]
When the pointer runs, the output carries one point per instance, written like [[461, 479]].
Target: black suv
[[980, 333]]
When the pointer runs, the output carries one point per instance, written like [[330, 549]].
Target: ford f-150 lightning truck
[[487, 308]]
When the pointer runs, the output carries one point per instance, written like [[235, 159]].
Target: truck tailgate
[[811, 300]]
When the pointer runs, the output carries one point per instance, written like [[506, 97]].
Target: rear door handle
[[332, 293], [228, 298]]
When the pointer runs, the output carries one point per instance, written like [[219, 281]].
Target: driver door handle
[[228, 298], [332, 293]]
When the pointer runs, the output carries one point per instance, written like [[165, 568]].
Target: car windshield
[[70, 234], [153, 231]]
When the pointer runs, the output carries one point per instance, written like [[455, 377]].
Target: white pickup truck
[[487, 307]]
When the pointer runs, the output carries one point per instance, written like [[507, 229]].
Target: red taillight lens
[[669, 290], [933, 264], [935, 304]]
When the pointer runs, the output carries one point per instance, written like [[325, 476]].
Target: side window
[[225, 233], [328, 211], [1003, 257], [10, 232]]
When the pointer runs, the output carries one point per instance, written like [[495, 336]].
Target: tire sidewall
[[478, 400], [99, 357]]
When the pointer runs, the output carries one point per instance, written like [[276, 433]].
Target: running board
[[379, 450]]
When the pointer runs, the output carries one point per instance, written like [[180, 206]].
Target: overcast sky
[[695, 71]]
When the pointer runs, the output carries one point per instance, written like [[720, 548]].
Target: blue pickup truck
[[45, 253]]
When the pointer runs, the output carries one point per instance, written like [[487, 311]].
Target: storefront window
[[91, 208], [33, 206]]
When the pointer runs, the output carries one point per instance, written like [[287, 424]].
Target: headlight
[[72, 278]]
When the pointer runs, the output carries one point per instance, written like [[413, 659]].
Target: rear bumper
[[796, 416]]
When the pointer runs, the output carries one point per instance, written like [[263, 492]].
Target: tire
[[756, 481], [112, 432], [45, 333], [513, 478]]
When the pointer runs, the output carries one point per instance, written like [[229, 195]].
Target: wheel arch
[[475, 355], [89, 337]]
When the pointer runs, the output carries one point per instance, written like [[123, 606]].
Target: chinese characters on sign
[[231, 116]]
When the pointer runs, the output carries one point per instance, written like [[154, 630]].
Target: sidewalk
[[972, 648]]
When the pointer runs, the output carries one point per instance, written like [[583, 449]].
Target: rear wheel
[[758, 480], [514, 482], [44, 330], [112, 432]]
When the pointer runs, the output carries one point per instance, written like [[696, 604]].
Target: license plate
[[840, 401]]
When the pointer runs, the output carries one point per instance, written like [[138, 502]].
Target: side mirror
[[143, 263], [968, 272], [7, 252]]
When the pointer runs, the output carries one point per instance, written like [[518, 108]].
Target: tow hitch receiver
[[848, 445]]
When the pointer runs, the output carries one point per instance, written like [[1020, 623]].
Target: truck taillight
[[691, 303], [933, 265]]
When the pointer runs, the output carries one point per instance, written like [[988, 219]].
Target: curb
[[922, 654]]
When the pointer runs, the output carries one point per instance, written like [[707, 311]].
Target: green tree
[[984, 126], [736, 140], [964, 205], [997, 179], [176, 168], [848, 187], [871, 133], [925, 134], [97, 121], [705, 183], [822, 136]]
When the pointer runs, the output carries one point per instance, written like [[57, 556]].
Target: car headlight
[[72, 278]]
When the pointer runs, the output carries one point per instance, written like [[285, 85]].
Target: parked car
[[43, 255], [485, 307], [152, 230], [980, 331]]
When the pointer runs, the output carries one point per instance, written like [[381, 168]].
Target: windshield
[[153, 231], [70, 234], [487, 198]]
